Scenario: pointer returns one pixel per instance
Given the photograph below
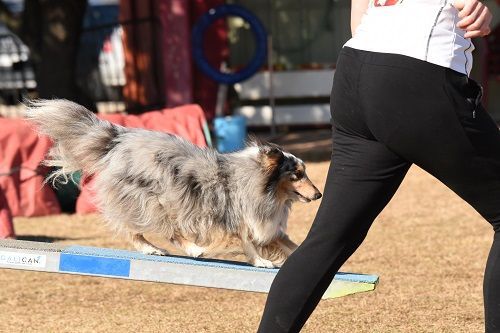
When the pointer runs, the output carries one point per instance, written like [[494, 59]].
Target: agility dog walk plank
[[111, 263]]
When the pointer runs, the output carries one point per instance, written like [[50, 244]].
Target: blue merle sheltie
[[197, 198]]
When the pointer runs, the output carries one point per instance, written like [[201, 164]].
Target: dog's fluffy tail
[[81, 140]]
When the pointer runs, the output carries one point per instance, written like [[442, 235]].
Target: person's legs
[[445, 131], [491, 289], [475, 177], [363, 177], [404, 110]]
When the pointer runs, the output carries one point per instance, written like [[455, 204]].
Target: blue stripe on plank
[[131, 255], [94, 265], [216, 263], [353, 277]]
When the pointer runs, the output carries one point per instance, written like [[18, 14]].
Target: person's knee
[[495, 223], [493, 217]]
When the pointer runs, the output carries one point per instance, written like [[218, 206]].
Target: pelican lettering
[[22, 259]]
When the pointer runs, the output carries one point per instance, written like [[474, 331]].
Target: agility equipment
[[208, 19], [112, 263]]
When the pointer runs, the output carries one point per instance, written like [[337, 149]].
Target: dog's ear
[[271, 151], [253, 141], [271, 157]]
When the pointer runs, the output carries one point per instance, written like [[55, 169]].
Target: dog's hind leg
[[142, 245]]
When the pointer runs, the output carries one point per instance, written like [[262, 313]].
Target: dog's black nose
[[317, 196]]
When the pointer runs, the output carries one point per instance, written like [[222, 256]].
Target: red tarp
[[6, 226], [21, 179], [22, 151]]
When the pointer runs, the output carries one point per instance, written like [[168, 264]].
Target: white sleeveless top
[[421, 29]]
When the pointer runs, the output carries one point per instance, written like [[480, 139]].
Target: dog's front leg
[[286, 244], [278, 250], [190, 248], [253, 257], [251, 253]]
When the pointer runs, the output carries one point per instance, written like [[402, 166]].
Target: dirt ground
[[428, 247]]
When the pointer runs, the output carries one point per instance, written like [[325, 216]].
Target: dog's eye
[[298, 175]]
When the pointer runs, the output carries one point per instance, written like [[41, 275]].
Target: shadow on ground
[[44, 239], [308, 145]]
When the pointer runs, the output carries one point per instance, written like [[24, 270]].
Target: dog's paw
[[261, 262], [278, 263], [155, 252], [194, 250]]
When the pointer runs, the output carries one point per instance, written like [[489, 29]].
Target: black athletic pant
[[389, 111]]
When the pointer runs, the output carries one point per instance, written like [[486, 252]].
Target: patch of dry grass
[[428, 247]]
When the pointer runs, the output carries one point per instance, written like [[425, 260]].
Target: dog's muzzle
[[317, 196]]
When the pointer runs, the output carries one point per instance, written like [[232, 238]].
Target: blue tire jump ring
[[259, 33]]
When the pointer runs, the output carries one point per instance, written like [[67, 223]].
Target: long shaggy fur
[[152, 182]]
